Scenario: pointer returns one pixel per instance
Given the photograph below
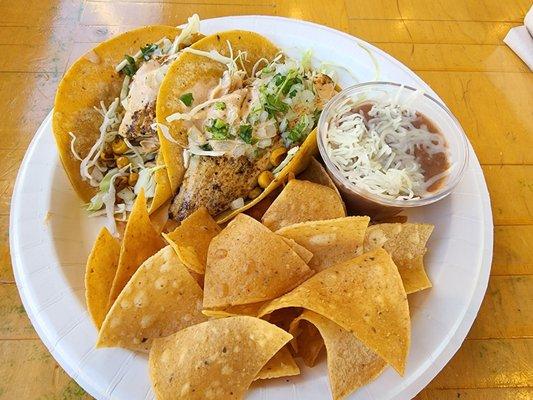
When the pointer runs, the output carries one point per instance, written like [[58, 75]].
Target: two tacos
[[217, 121]]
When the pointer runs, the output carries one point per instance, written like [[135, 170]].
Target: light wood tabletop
[[454, 45]]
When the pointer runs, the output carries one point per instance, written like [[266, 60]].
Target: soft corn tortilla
[[302, 201], [406, 243], [88, 81], [191, 239], [99, 274], [189, 74], [330, 241], [160, 299], [351, 364], [217, 359], [140, 241], [248, 263], [193, 73], [281, 365], [364, 295]]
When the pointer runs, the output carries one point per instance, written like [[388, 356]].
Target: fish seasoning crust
[[141, 122], [214, 182]]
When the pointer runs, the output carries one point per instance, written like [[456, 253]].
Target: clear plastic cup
[[360, 201]]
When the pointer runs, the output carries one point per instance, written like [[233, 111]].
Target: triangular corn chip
[[406, 243], [330, 241], [350, 363], [302, 201], [248, 263], [191, 239], [140, 241], [217, 359], [281, 365], [99, 275], [161, 298]]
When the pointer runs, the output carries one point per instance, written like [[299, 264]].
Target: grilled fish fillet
[[214, 182]]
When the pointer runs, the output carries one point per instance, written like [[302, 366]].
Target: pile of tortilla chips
[[218, 308]]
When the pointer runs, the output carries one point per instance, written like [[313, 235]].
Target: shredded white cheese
[[378, 153]]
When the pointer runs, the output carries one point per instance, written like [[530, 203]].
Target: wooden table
[[455, 46]]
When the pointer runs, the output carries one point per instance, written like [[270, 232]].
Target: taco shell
[[90, 80]]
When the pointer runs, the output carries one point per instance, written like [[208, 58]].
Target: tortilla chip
[[316, 173], [364, 295], [248, 263], [217, 359], [303, 201], [350, 363], [161, 298], [258, 210], [159, 217], [282, 318], [244, 309], [99, 273], [307, 342], [163, 191], [304, 254], [406, 243], [330, 241], [281, 365], [191, 239], [140, 241]]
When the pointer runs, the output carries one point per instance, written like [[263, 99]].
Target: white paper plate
[[50, 237]]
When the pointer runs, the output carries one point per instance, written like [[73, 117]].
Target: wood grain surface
[[454, 45]]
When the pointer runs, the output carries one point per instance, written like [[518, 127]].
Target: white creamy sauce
[[142, 91]]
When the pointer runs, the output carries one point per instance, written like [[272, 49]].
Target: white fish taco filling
[[122, 161], [242, 131]]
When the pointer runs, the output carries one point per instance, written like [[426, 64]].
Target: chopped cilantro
[[219, 129], [273, 104], [131, 66], [299, 131], [206, 147], [187, 99], [289, 83], [245, 133], [286, 82], [278, 79], [220, 105], [148, 50]]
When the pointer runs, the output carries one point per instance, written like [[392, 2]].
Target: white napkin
[[520, 39]]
